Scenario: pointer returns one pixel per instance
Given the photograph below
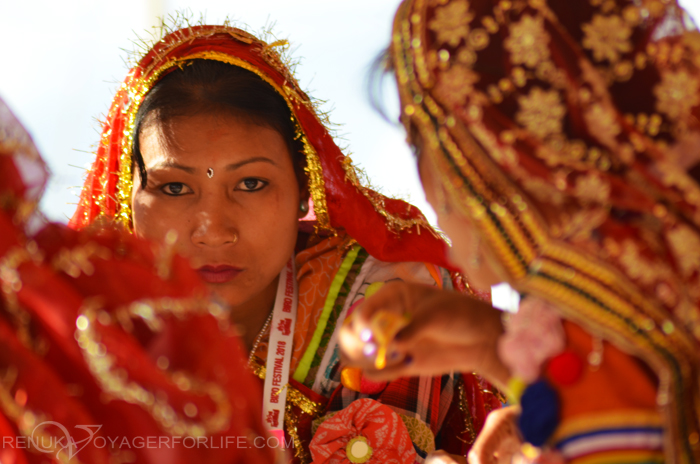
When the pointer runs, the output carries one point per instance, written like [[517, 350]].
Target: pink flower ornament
[[533, 335]]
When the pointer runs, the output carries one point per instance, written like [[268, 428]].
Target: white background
[[62, 61]]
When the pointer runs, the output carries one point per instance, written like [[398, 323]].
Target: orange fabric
[[316, 268], [620, 382], [379, 426]]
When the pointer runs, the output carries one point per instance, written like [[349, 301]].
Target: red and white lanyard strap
[[279, 352]]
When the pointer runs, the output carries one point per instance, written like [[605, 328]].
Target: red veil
[[389, 229]]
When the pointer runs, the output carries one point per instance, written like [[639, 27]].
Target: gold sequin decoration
[[74, 261], [451, 22], [466, 412], [607, 37], [528, 42], [11, 284], [114, 380], [28, 420], [677, 93], [541, 112], [292, 96]]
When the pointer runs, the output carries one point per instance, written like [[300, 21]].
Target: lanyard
[[279, 352]]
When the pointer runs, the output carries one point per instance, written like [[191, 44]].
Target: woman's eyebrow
[[170, 164], [256, 159]]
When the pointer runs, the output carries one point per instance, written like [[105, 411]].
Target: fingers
[[428, 358], [499, 439], [442, 457], [396, 297], [446, 332], [375, 322], [452, 318]]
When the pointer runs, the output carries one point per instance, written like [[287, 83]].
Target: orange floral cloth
[[383, 429], [316, 268]]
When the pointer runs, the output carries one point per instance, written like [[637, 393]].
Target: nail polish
[[366, 335], [369, 349]]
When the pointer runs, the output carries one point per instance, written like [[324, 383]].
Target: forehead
[[210, 138]]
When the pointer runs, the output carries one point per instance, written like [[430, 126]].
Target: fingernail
[[369, 349], [366, 335]]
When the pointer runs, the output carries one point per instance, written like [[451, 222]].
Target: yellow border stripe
[[305, 363]]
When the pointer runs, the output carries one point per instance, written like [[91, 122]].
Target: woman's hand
[[443, 457], [447, 331], [499, 440]]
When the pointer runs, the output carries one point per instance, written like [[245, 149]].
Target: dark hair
[[206, 86], [381, 67]]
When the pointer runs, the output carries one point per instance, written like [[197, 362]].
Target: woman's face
[[467, 252], [228, 188]]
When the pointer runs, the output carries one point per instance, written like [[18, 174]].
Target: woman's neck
[[251, 315]]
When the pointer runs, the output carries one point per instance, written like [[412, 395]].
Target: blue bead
[[540, 413]]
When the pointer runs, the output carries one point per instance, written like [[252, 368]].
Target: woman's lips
[[218, 274]]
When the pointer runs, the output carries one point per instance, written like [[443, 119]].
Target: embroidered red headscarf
[[566, 130], [389, 229]]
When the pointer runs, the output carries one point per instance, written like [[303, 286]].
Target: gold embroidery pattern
[[76, 260], [600, 294], [466, 413], [636, 265], [685, 245], [541, 112], [677, 93], [455, 84], [607, 37], [451, 22], [114, 381], [528, 41], [602, 123], [28, 421], [11, 284], [583, 222], [543, 191], [592, 189]]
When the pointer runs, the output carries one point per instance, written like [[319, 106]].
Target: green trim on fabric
[[338, 306], [305, 363]]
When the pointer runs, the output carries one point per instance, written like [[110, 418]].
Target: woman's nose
[[213, 230]]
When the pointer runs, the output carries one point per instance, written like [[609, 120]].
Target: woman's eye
[[251, 184], [175, 189]]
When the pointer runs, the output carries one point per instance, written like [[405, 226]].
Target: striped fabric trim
[[611, 440], [307, 358], [641, 444], [620, 419], [622, 457], [632, 436], [325, 383]]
